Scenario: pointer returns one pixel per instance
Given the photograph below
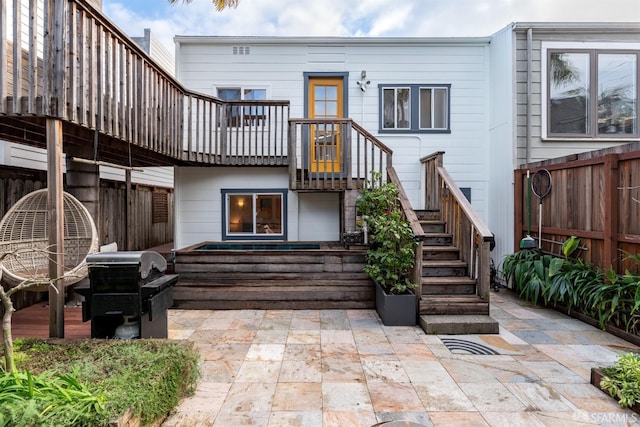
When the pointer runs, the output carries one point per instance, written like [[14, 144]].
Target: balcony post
[[55, 202]]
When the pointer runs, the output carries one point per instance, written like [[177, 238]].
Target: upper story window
[[247, 115], [414, 108], [592, 93]]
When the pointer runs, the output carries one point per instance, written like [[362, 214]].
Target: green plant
[[377, 198], [622, 379], [391, 258], [540, 277], [147, 377], [617, 301], [47, 399], [529, 271]]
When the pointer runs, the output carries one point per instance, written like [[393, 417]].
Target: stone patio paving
[[344, 368]]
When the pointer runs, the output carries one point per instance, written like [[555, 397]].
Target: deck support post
[[55, 203]]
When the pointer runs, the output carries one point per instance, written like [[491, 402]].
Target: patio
[[343, 368]]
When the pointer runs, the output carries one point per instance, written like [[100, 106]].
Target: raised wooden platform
[[329, 277], [33, 322]]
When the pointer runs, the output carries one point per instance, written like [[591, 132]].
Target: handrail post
[[291, 150], [348, 152]]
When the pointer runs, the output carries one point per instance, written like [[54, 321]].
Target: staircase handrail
[[469, 232]]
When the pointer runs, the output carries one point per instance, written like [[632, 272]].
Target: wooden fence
[[594, 196], [148, 228]]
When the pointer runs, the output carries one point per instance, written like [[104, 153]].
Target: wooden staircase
[[446, 288]]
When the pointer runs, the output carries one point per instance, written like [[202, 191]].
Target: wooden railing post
[[347, 128], [58, 54], [611, 204], [293, 157]]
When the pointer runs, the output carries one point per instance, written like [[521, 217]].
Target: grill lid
[[146, 261]]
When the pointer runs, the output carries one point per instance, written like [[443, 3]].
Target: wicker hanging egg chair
[[25, 229]]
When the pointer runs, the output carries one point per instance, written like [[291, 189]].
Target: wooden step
[[276, 294], [425, 215], [433, 226], [444, 268], [430, 252], [448, 286], [453, 304], [330, 277], [437, 239]]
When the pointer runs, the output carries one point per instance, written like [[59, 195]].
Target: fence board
[[596, 198]]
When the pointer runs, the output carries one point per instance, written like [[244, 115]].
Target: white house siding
[[586, 36], [198, 199], [319, 217], [25, 156], [501, 137], [157, 51], [278, 64]]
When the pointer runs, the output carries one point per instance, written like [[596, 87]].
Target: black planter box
[[395, 310]]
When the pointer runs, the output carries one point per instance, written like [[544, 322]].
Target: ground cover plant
[[610, 298], [622, 380], [93, 382]]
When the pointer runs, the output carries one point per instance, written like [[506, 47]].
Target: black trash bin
[[128, 295]]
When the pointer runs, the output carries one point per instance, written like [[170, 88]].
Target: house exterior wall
[[529, 105], [278, 65], [198, 195], [537, 146], [501, 137]]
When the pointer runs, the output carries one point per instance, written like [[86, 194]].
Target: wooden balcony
[[64, 60]]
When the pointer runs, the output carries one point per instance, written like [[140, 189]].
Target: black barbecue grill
[[127, 288]]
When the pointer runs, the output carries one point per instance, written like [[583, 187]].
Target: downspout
[[529, 77]]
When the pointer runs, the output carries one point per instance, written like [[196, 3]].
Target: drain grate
[[459, 346]]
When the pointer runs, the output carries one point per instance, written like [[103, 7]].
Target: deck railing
[[63, 59], [470, 234], [334, 154]]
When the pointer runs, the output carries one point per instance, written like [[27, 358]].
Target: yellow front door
[[325, 102]]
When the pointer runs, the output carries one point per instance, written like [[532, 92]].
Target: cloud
[[425, 18]]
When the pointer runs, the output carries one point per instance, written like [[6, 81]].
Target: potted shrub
[[391, 256]]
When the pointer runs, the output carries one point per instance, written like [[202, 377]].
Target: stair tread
[[444, 263], [447, 280], [452, 299], [439, 248]]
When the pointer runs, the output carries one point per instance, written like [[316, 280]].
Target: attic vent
[[241, 50]]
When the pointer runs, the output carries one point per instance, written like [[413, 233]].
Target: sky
[[357, 18]]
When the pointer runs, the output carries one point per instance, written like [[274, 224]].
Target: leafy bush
[[391, 256], [622, 380], [610, 298]]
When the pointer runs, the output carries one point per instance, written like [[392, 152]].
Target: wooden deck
[[33, 322]]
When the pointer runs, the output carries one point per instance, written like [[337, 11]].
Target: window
[[414, 108], [592, 93], [250, 114], [254, 215]]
